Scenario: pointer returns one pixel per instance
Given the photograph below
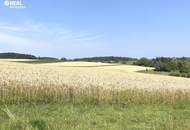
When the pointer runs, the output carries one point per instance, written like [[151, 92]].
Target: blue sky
[[84, 28]]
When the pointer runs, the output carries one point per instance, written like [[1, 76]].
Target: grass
[[154, 72], [174, 73], [39, 61], [96, 109], [95, 117]]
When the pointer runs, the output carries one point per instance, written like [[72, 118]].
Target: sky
[[86, 28]]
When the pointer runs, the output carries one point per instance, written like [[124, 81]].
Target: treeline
[[175, 66], [11, 55], [16, 56], [107, 59], [47, 58]]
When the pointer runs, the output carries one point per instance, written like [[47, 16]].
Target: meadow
[[87, 95]]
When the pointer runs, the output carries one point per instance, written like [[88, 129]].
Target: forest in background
[[175, 66]]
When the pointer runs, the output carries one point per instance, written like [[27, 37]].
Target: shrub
[[175, 73], [144, 62]]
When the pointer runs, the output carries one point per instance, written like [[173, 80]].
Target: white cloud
[[89, 38], [59, 33], [47, 39], [14, 40], [26, 27], [12, 28]]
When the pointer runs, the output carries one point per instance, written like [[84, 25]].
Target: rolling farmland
[[84, 74], [76, 86]]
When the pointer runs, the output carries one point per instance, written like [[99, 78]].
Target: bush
[[144, 62], [175, 73], [176, 66], [63, 59], [188, 75]]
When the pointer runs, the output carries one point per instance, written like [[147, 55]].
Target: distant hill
[[11, 55], [47, 58], [107, 59]]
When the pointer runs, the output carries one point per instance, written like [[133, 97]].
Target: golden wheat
[[76, 74], [87, 82]]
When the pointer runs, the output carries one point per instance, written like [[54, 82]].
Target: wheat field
[[83, 95], [55, 82], [84, 74]]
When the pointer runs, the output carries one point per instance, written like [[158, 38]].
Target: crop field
[[117, 95], [84, 74]]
